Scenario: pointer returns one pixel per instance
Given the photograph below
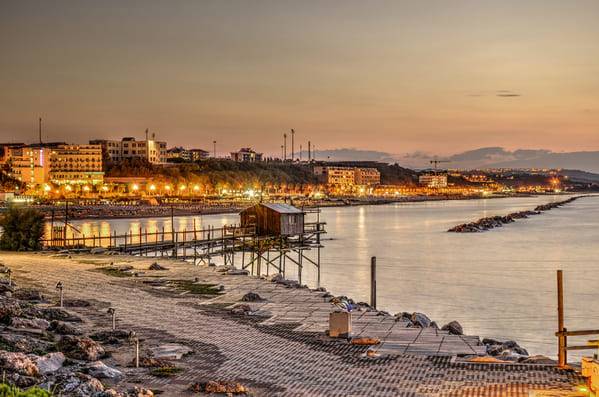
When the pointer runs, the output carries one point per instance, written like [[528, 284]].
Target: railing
[[563, 333], [128, 241]]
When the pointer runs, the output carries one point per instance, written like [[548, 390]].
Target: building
[[433, 180], [246, 154], [341, 176], [367, 176], [188, 155], [128, 148], [274, 219], [31, 164], [76, 164], [8, 150]]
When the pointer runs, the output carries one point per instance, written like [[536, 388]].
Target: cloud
[[506, 94]]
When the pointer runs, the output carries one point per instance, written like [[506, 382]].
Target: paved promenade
[[281, 349]]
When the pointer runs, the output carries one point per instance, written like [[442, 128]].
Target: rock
[[454, 328], [364, 341], [76, 385], [80, 348], [50, 362], [9, 308], [156, 266], [37, 323], [141, 392], [218, 387], [538, 360], [151, 362], [241, 309], [420, 320], [252, 297], [25, 343], [99, 370], [28, 294], [76, 303], [170, 351], [63, 328], [51, 314], [19, 363], [98, 251], [111, 337], [237, 272], [489, 341]]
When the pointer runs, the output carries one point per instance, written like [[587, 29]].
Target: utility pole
[[214, 143], [282, 152], [300, 154], [309, 151], [314, 152], [285, 145], [292, 145]]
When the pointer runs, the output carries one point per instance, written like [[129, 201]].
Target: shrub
[[13, 391], [22, 229]]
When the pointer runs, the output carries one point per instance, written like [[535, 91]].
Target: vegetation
[[7, 390], [112, 271], [194, 288], [22, 229], [165, 371]]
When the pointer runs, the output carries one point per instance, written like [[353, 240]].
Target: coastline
[[108, 212]]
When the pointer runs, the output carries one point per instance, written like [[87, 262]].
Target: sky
[[397, 76]]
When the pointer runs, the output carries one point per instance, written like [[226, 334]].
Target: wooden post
[[562, 352], [373, 282]]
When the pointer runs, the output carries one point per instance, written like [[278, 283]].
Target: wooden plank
[[578, 333]]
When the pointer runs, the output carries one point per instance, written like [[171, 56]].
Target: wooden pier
[[241, 247]]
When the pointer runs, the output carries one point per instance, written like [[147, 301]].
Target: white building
[[150, 149], [433, 180]]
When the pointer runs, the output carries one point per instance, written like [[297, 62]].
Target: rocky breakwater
[[492, 222], [44, 345]]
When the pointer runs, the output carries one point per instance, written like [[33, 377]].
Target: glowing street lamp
[[86, 188], [105, 188], [68, 188], [196, 188], [47, 188], [135, 187], [152, 187]]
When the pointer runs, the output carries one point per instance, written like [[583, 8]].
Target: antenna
[[309, 151], [147, 130], [285, 144], [300, 153], [292, 145], [40, 131], [214, 143]]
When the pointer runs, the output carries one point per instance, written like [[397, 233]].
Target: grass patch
[[111, 271], [7, 390], [165, 372], [93, 262], [195, 288]]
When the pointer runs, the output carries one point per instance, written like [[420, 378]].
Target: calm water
[[496, 284]]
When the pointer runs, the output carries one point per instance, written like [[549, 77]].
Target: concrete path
[[282, 350]]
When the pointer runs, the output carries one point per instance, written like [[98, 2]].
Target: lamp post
[[112, 312], [133, 338], [60, 288]]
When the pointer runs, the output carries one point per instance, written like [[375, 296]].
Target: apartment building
[[367, 176], [246, 154], [30, 164], [433, 180], [76, 164], [348, 176], [128, 148]]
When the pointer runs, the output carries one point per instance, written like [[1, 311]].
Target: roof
[[283, 208]]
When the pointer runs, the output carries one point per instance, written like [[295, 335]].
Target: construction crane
[[436, 162]]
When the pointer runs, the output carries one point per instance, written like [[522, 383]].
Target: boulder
[[51, 314], [9, 308], [111, 337], [420, 320], [212, 386], [170, 351], [76, 303], [28, 294], [25, 343], [454, 328], [99, 370], [19, 363], [98, 251], [237, 272], [50, 362], [489, 341], [252, 297], [36, 323], [538, 360], [156, 266], [63, 328], [76, 385], [80, 348], [241, 309]]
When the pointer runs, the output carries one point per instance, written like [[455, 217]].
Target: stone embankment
[[492, 222]]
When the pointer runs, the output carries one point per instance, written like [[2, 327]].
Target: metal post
[[59, 287], [112, 312], [562, 352], [373, 282]]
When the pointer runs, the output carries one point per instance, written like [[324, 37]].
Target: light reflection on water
[[496, 284]]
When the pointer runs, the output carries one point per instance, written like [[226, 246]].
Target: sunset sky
[[396, 76]]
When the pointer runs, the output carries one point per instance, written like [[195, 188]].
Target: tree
[[22, 229]]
